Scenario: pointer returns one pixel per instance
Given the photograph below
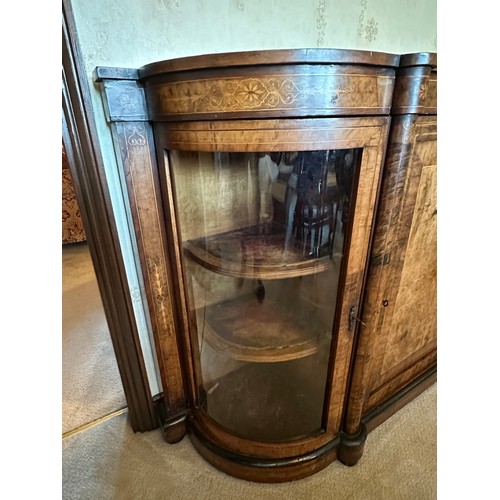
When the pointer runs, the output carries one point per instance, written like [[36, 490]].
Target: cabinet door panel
[[400, 305], [413, 324], [237, 278]]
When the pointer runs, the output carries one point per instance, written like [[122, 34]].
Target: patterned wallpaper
[[131, 33]]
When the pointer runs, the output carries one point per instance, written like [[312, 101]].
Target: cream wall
[[132, 33]]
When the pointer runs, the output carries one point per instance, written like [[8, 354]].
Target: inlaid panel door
[[402, 307], [396, 354]]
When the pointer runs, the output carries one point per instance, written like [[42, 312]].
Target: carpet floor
[[91, 383]]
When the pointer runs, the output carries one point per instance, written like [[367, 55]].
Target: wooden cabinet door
[[403, 306], [194, 143], [398, 338]]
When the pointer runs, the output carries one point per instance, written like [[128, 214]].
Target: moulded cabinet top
[[270, 84], [416, 85], [271, 57], [418, 59]]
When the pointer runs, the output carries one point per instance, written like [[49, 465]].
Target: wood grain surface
[[285, 101], [266, 57], [136, 145], [398, 340], [274, 92]]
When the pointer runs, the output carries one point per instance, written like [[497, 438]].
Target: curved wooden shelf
[[244, 253], [266, 332]]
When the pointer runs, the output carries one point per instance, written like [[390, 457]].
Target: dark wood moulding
[[418, 59], [266, 57], [264, 470]]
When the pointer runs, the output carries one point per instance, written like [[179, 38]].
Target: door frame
[[80, 139]]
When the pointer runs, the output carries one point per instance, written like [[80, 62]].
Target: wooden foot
[[352, 446], [174, 429]]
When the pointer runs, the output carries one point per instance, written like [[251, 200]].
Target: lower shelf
[[272, 402], [264, 332]]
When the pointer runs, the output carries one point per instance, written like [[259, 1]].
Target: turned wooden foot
[[174, 429], [352, 446]]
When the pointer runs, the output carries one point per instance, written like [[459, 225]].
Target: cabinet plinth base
[[174, 429], [264, 470], [352, 446]]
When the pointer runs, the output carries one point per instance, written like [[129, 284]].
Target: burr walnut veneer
[[396, 353], [290, 279]]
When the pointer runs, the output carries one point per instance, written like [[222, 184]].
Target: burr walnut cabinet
[[396, 354], [269, 236]]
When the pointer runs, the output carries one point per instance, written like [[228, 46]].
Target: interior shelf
[[248, 253], [266, 332]]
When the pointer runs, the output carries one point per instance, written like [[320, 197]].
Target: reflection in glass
[[263, 236]]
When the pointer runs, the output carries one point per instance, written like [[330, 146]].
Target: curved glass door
[[263, 241]]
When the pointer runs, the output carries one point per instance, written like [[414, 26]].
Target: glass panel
[[262, 235]]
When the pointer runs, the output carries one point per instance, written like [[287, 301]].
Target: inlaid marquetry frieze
[[430, 99], [415, 91], [360, 93]]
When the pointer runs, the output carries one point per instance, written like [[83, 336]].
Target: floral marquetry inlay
[[252, 93], [161, 293], [136, 137], [231, 94], [321, 91], [422, 91]]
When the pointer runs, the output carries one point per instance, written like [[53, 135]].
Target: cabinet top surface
[[272, 57], [418, 59]]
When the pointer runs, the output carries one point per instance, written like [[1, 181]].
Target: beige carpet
[[107, 460], [91, 383]]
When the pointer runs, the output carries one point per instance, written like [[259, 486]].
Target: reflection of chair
[[313, 221], [316, 203], [344, 172]]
